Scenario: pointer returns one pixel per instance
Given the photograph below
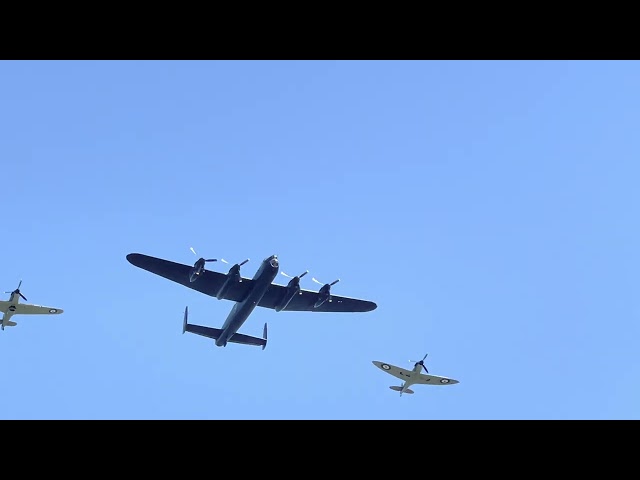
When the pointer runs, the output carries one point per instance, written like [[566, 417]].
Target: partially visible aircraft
[[248, 293], [414, 376], [14, 307]]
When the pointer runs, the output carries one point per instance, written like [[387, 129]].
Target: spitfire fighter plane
[[14, 307], [247, 293], [413, 377]]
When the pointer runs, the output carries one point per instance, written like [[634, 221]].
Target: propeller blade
[[320, 283], [299, 276], [425, 356], [244, 262], [211, 260], [194, 252], [19, 284], [23, 297], [223, 260]]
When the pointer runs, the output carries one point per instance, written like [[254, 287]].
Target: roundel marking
[[444, 380], [52, 310], [385, 366]]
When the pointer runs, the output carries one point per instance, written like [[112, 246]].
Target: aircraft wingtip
[[132, 256]]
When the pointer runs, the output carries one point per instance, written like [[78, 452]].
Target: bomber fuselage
[[241, 310]]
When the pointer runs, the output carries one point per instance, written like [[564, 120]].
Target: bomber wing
[[208, 283], [304, 302]]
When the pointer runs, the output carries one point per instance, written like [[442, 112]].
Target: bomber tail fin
[[215, 333], [184, 323]]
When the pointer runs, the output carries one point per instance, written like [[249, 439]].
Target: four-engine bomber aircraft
[[14, 307], [248, 294], [414, 376]]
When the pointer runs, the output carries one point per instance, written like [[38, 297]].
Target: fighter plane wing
[[209, 283], [393, 370], [4, 305], [421, 379], [28, 309], [435, 380]]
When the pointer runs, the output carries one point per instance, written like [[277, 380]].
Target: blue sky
[[489, 208]]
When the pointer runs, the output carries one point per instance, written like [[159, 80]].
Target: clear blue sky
[[489, 208]]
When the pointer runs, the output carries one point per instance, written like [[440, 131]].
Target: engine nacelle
[[324, 294], [232, 277], [293, 288], [196, 271], [198, 267]]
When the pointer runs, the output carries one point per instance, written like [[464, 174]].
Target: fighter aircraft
[[260, 291], [14, 307], [414, 376]]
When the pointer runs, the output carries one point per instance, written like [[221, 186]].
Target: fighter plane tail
[[398, 389]]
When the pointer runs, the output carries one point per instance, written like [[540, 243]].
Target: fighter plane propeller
[[17, 292], [420, 362]]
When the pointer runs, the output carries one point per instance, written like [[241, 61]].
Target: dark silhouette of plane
[[260, 291]]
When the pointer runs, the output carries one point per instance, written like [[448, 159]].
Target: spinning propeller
[[329, 284], [239, 264], [421, 362], [17, 291], [298, 276], [324, 294], [208, 260]]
